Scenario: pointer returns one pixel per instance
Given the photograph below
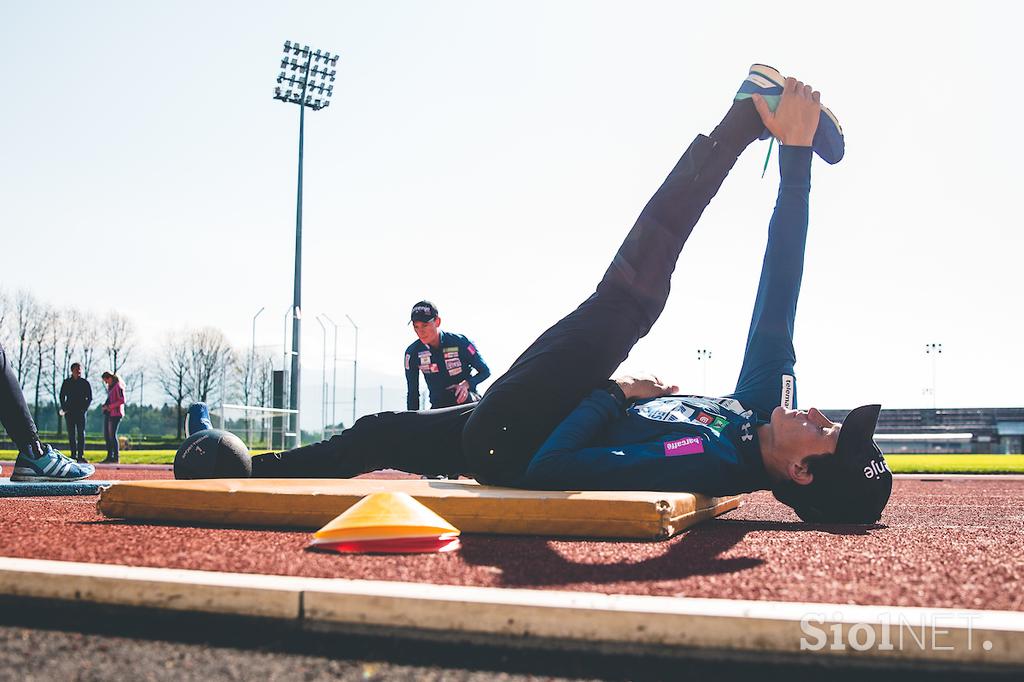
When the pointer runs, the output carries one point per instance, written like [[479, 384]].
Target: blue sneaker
[[766, 81], [51, 466], [198, 419], [828, 138]]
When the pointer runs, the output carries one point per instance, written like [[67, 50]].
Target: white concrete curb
[[524, 617]]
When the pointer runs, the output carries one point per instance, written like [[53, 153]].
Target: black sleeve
[[64, 395], [412, 383]]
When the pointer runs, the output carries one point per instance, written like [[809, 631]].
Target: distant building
[[988, 430]]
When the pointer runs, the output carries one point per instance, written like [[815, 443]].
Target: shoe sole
[[769, 73], [832, 117], [15, 478]]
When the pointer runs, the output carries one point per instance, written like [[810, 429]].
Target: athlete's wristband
[[616, 392]]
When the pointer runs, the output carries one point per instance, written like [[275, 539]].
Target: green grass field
[[900, 464], [956, 464], [127, 456]]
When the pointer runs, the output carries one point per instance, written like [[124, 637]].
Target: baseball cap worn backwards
[[424, 311], [850, 486]]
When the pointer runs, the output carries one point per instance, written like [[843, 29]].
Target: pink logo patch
[[691, 445]]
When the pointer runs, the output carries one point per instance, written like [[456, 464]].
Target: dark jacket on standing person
[[75, 395]]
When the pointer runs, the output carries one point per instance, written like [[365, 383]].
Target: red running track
[[954, 543]]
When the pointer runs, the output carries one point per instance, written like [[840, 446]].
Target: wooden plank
[[473, 508]]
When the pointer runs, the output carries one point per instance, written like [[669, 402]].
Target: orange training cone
[[388, 523]]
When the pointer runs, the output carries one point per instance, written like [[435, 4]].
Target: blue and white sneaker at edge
[[51, 466], [769, 83], [197, 419]]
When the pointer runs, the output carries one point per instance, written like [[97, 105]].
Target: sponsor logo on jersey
[[472, 351], [407, 361], [719, 423], [665, 410], [429, 368], [451, 349], [424, 356], [717, 404], [691, 445], [787, 391], [705, 418]]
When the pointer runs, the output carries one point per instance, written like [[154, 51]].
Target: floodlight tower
[[703, 356], [305, 82], [934, 350]]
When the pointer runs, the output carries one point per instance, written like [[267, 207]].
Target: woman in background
[[113, 411]]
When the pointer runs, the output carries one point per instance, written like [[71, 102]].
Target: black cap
[[851, 486], [424, 311]]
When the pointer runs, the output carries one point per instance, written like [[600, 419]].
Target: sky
[[491, 156]]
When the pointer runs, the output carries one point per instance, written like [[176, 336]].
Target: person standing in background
[[37, 462], [75, 398], [113, 411], [450, 363]]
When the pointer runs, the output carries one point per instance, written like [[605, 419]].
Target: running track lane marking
[[538, 617]]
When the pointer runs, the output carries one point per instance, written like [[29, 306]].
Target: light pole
[[703, 356], [142, 408], [334, 378], [252, 352], [323, 386], [934, 350], [307, 86], [355, 366], [250, 375]]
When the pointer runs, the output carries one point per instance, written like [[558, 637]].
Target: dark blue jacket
[[75, 395], [454, 360], [693, 443]]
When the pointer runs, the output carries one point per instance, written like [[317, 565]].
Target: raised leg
[[583, 349]]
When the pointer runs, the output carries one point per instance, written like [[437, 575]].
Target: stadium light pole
[[323, 385], [334, 377], [308, 85], [355, 366], [934, 350], [250, 374], [703, 355]]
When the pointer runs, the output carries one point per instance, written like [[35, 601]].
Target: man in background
[[450, 363], [75, 398], [37, 462]]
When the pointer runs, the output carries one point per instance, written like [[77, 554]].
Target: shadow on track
[[536, 562]]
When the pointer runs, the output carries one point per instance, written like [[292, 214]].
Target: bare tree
[[211, 359], [254, 375], [42, 343], [59, 336], [264, 381], [26, 322], [5, 311], [172, 370], [63, 337], [119, 336], [88, 342]]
